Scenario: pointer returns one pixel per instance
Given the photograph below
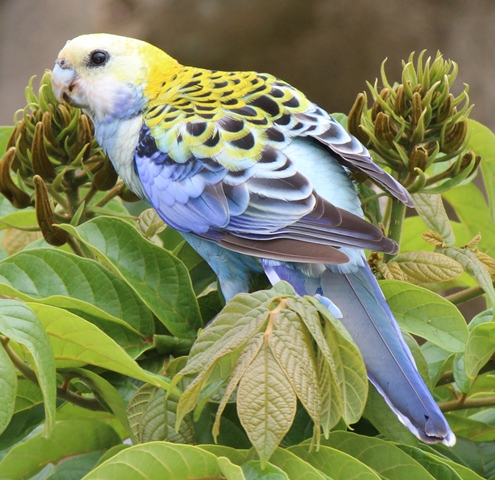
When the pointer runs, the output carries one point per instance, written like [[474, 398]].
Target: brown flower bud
[[17, 197], [42, 165], [454, 138], [382, 129], [128, 195], [106, 177], [418, 158], [46, 218], [354, 119]]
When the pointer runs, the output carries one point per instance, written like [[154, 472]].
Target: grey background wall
[[327, 48]]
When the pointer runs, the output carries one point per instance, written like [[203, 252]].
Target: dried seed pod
[[44, 213], [16, 196]]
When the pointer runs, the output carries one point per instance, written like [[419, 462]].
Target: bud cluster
[[52, 161], [418, 126]]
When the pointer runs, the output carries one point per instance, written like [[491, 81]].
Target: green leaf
[[468, 428], [21, 324], [348, 363], [384, 458], [434, 464], [68, 438], [266, 403], [107, 392], [77, 342], [235, 455], [152, 414], [23, 219], [427, 267], [230, 470], [482, 142], [5, 133], [334, 463], [247, 355], [473, 266], [158, 460], [42, 273], [385, 421], [479, 348], [291, 345], [75, 467], [474, 214], [160, 279], [256, 470], [8, 387], [294, 466], [426, 314], [430, 208]]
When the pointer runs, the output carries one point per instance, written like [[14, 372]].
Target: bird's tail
[[388, 360]]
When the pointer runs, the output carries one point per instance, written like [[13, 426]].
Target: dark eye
[[98, 58]]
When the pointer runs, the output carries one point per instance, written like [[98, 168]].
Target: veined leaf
[[473, 266], [479, 348], [474, 214], [266, 403], [426, 314], [384, 458], [20, 323], [158, 460], [427, 267], [160, 279], [70, 437], [334, 463], [482, 142], [8, 387], [294, 466], [46, 272], [430, 208], [77, 342], [152, 414]]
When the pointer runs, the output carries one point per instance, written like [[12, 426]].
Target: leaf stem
[[88, 403], [465, 295], [397, 214], [463, 403]]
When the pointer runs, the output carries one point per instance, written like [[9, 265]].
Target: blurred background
[[327, 48]]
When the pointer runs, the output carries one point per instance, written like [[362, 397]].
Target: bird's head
[[109, 76]]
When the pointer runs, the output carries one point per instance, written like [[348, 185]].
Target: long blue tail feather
[[389, 363]]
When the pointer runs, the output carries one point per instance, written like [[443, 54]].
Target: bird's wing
[[215, 165]]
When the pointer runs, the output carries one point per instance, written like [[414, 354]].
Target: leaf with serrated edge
[[160, 279], [20, 323], [426, 314], [479, 348], [152, 415], [351, 371], [428, 267], [158, 460], [8, 387], [292, 348], [266, 403], [76, 340], [430, 208], [474, 267], [246, 357]]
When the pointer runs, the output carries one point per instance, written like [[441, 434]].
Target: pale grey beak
[[62, 79]]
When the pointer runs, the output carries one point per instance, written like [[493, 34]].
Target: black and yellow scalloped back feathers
[[228, 116]]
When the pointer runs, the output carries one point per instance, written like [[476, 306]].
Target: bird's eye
[[98, 58]]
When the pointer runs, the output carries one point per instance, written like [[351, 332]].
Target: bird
[[256, 178]]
